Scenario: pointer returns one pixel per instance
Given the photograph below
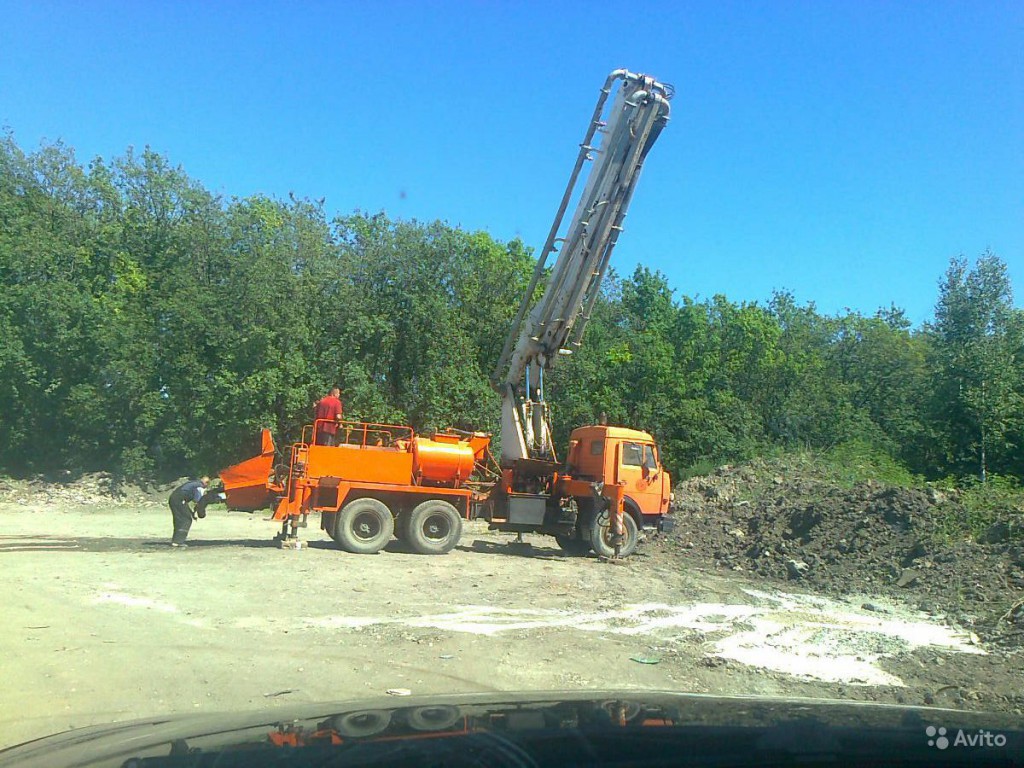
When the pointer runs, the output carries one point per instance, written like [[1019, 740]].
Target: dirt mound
[[790, 523], [94, 489]]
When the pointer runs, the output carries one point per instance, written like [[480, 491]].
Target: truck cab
[[608, 454]]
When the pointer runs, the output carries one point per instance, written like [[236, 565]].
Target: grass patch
[[961, 508], [995, 507], [844, 465], [857, 461], [698, 468]]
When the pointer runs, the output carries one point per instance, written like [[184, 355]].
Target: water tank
[[441, 463]]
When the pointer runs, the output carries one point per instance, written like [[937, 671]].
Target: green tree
[[884, 366], [149, 326], [978, 390]]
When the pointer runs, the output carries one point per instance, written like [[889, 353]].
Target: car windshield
[[356, 352]]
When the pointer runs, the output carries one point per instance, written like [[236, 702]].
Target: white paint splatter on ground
[[800, 635]]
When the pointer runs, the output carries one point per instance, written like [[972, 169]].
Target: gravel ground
[[105, 622]]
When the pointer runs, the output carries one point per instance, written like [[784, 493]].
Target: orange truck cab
[[612, 478], [620, 455]]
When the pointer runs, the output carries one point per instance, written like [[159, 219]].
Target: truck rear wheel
[[364, 526], [600, 535], [434, 527], [437, 718], [361, 724]]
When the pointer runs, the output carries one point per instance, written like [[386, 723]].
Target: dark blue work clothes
[[181, 513]]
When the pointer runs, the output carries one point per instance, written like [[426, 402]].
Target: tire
[[434, 527], [364, 526], [600, 532], [361, 724], [632, 709], [573, 545], [437, 718]]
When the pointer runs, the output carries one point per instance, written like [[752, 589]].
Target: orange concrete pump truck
[[378, 480]]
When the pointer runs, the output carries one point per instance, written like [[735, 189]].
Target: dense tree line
[[151, 327]]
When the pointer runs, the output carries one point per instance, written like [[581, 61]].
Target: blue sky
[[841, 150]]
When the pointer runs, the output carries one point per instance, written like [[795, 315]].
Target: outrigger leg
[[617, 529], [288, 538]]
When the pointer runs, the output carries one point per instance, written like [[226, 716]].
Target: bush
[[998, 500], [856, 461], [698, 468]]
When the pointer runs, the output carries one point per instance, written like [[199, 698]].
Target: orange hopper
[[247, 484]]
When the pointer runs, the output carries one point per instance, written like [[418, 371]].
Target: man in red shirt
[[329, 409]]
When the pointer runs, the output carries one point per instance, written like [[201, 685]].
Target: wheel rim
[[606, 530], [365, 720], [437, 527], [366, 526], [434, 718]]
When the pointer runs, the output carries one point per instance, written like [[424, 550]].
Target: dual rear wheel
[[371, 722], [365, 526]]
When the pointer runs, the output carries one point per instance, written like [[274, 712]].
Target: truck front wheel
[[364, 526], [434, 527], [600, 535]]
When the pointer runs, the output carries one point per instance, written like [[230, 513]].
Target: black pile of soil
[[787, 522]]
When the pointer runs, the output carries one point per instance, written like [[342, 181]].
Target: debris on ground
[[788, 521], [92, 489]]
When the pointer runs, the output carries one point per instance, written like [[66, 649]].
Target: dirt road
[[103, 621]]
